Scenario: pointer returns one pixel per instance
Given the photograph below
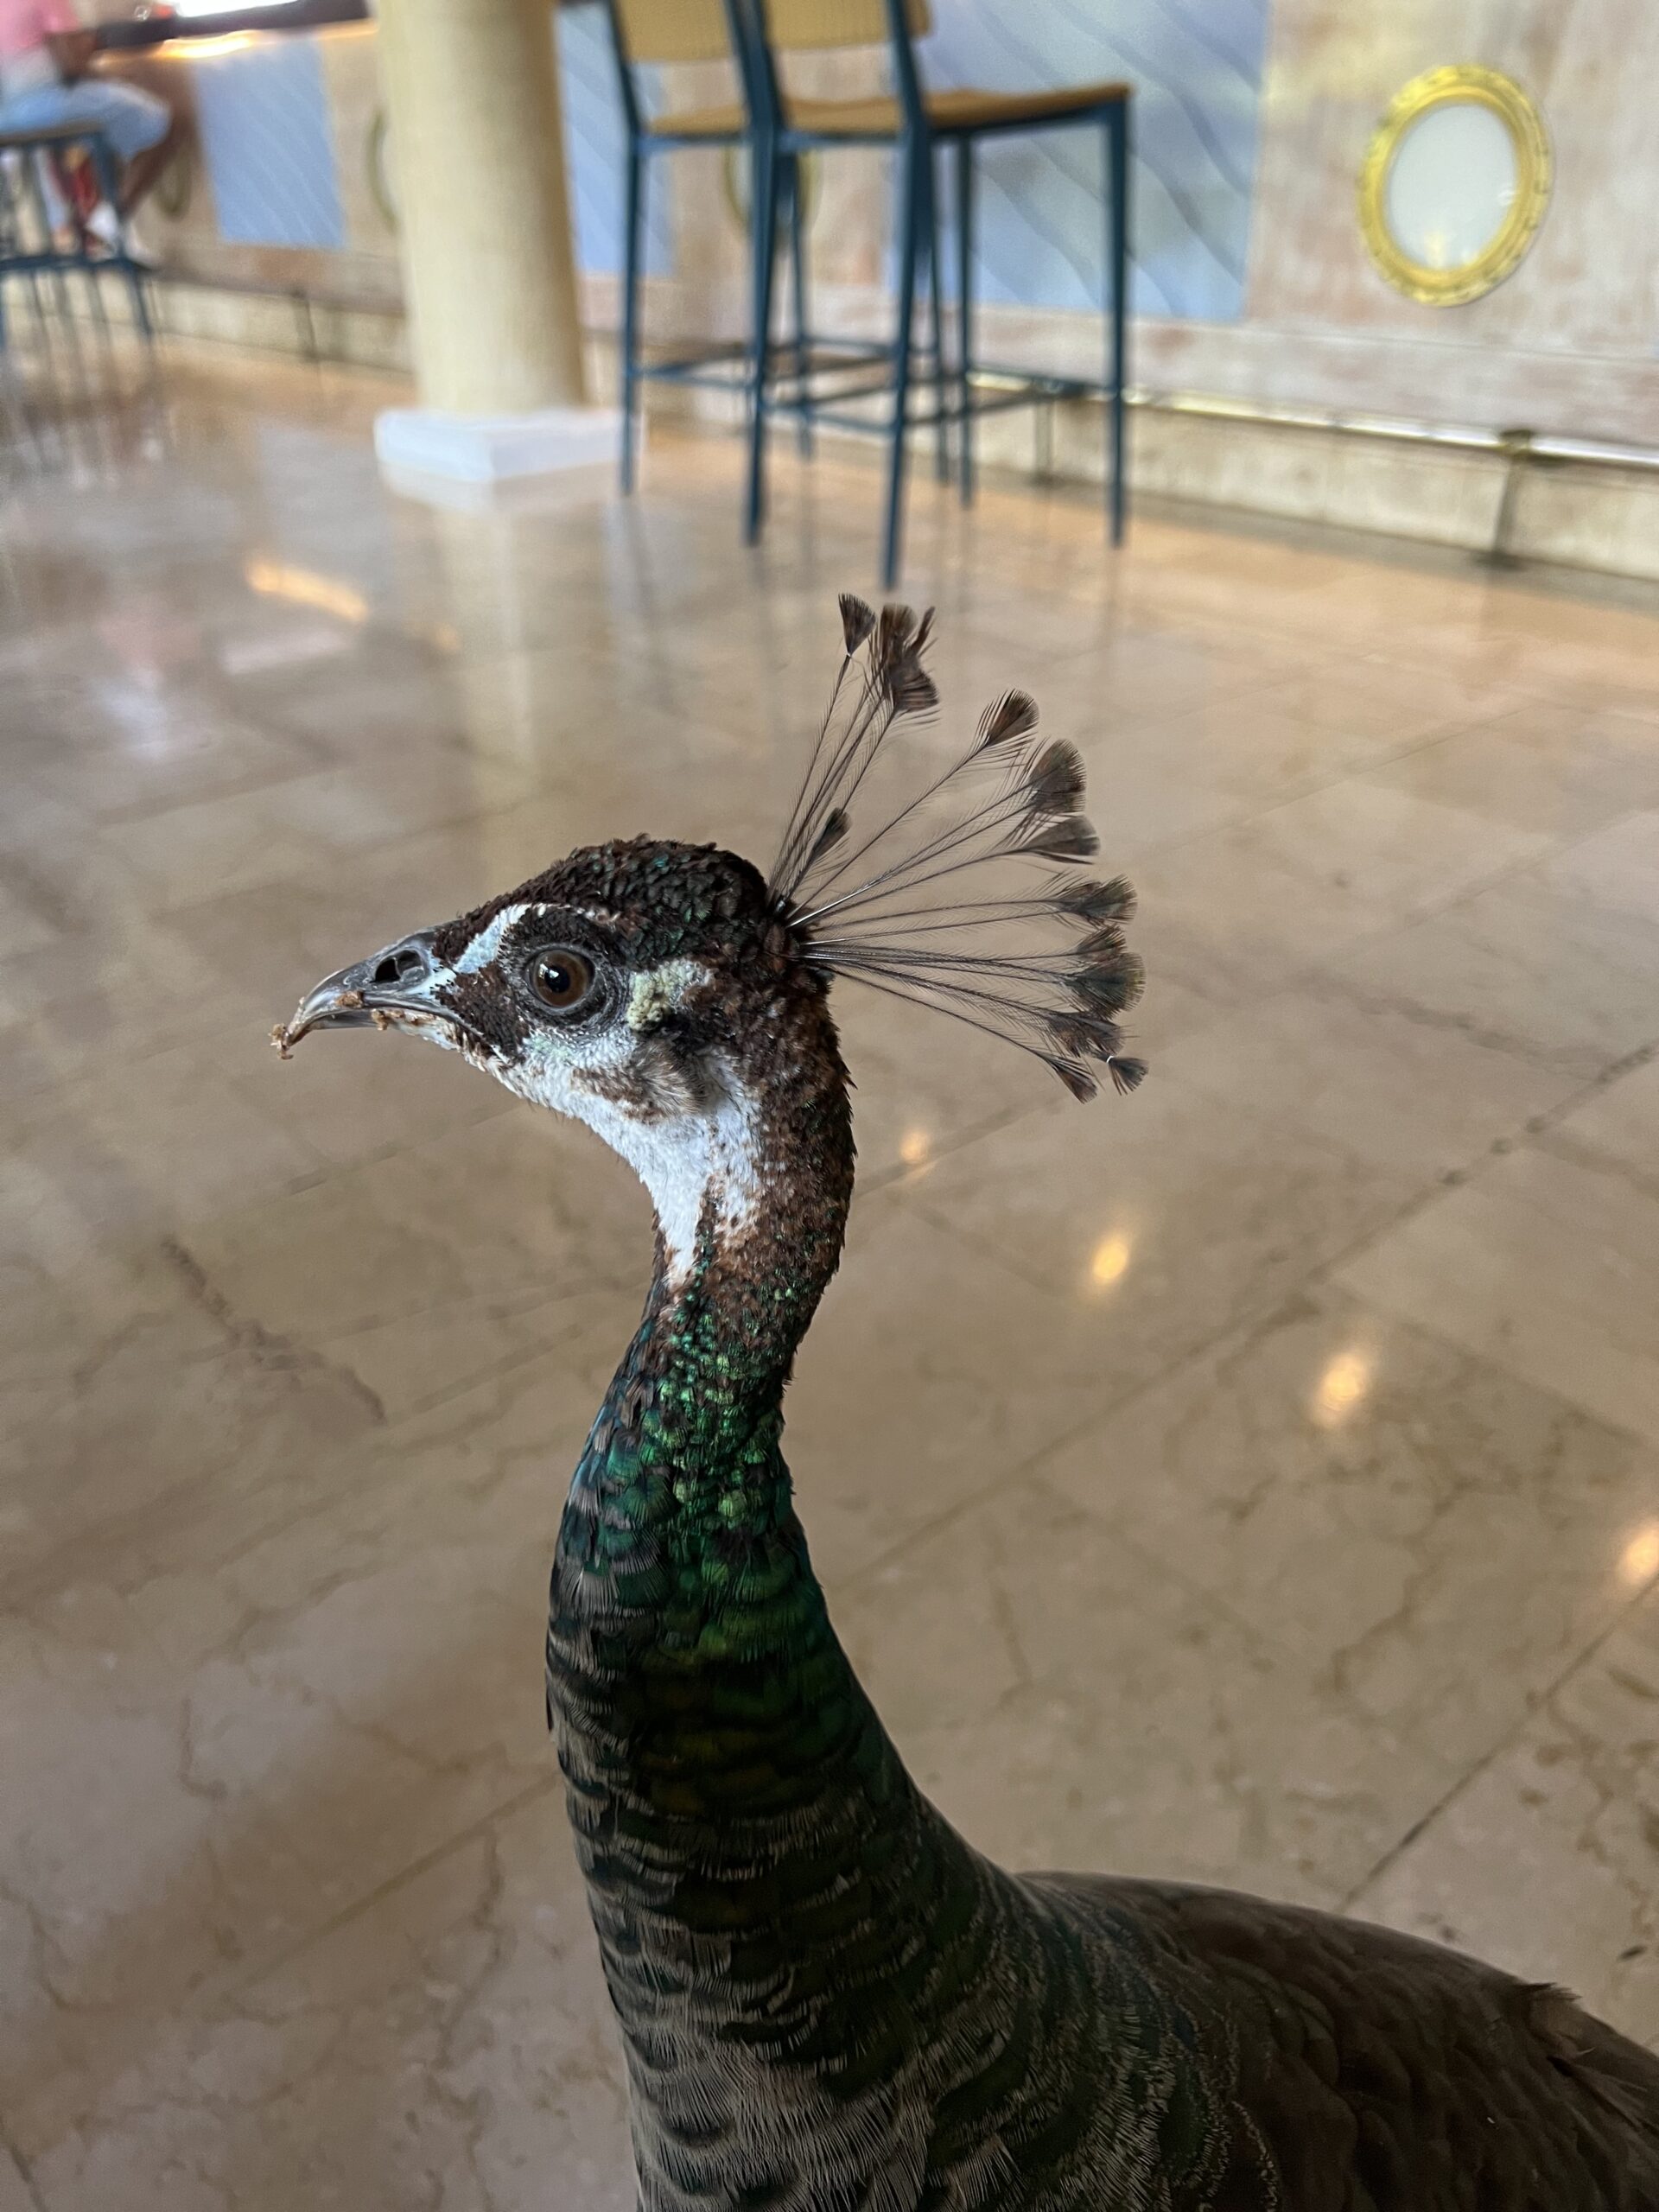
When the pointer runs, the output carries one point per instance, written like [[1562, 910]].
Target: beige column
[[477, 135]]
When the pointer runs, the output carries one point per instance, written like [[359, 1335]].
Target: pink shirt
[[27, 24]]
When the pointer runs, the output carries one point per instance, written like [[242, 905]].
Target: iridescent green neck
[[680, 1511], [738, 1810]]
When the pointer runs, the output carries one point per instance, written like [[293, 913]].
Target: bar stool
[[647, 33], [28, 246], [916, 122]]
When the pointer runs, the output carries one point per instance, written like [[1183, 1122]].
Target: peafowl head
[[649, 990], [675, 1000]]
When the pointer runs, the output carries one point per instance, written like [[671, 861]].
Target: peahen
[[830, 2002]]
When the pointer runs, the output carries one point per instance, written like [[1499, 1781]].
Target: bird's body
[[829, 2001]]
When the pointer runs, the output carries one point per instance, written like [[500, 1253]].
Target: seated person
[[46, 59]]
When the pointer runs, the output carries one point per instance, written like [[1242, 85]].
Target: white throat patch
[[704, 1158]]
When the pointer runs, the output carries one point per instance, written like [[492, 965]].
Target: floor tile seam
[[1589, 1161], [243, 1087], [1619, 811], [246, 1333], [1212, 1600], [900, 1175], [326, 872], [1568, 692], [1449, 1181], [1466, 894], [510, 1364], [1032, 1466], [1510, 1737], [33, 1585], [528, 1296], [1321, 981], [1257, 810], [986, 1249], [136, 1053], [1356, 775], [1250, 1327], [1533, 1128], [35, 1579], [36, 1582], [1530, 685], [1151, 1565], [1545, 1122], [24, 2171], [1269, 1643], [253, 787], [34, 1118], [260, 1971]]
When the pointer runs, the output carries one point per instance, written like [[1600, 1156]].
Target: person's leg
[[146, 165], [37, 110], [141, 127], [140, 130]]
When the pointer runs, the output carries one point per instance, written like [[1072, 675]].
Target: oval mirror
[[1455, 185]]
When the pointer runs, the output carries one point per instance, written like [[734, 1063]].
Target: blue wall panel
[[596, 143], [262, 115], [1196, 67]]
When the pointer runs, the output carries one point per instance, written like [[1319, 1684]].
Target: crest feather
[[935, 906]]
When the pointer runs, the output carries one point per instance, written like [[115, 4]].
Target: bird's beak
[[370, 992]]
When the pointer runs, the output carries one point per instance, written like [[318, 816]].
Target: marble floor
[[1256, 1479]]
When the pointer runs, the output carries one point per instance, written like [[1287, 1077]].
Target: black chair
[[30, 246], [917, 123], [651, 32]]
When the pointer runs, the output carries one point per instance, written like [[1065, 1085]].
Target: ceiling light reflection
[[199, 8], [1345, 1385], [306, 588], [1109, 1262], [200, 48], [1639, 1560]]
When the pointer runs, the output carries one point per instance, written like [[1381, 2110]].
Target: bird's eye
[[561, 978]]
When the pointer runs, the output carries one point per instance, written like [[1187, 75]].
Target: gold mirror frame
[[1501, 255], [377, 150]]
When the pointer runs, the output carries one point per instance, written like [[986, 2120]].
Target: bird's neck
[[681, 1490], [740, 1815], [708, 1721]]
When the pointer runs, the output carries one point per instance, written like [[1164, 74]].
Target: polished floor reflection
[[1257, 1480]]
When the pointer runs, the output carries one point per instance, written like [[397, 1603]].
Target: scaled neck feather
[[683, 1461]]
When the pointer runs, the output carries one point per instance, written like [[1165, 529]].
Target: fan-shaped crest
[[942, 905]]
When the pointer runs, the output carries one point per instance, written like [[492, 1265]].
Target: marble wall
[[1570, 343], [1198, 71], [1251, 280], [1198, 76], [280, 186]]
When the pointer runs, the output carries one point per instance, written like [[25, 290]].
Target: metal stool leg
[[140, 314], [936, 267], [764, 227], [965, 313], [797, 264], [632, 224], [914, 202], [108, 184], [1117, 153], [9, 241]]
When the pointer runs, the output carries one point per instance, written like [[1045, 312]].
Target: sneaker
[[117, 237]]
